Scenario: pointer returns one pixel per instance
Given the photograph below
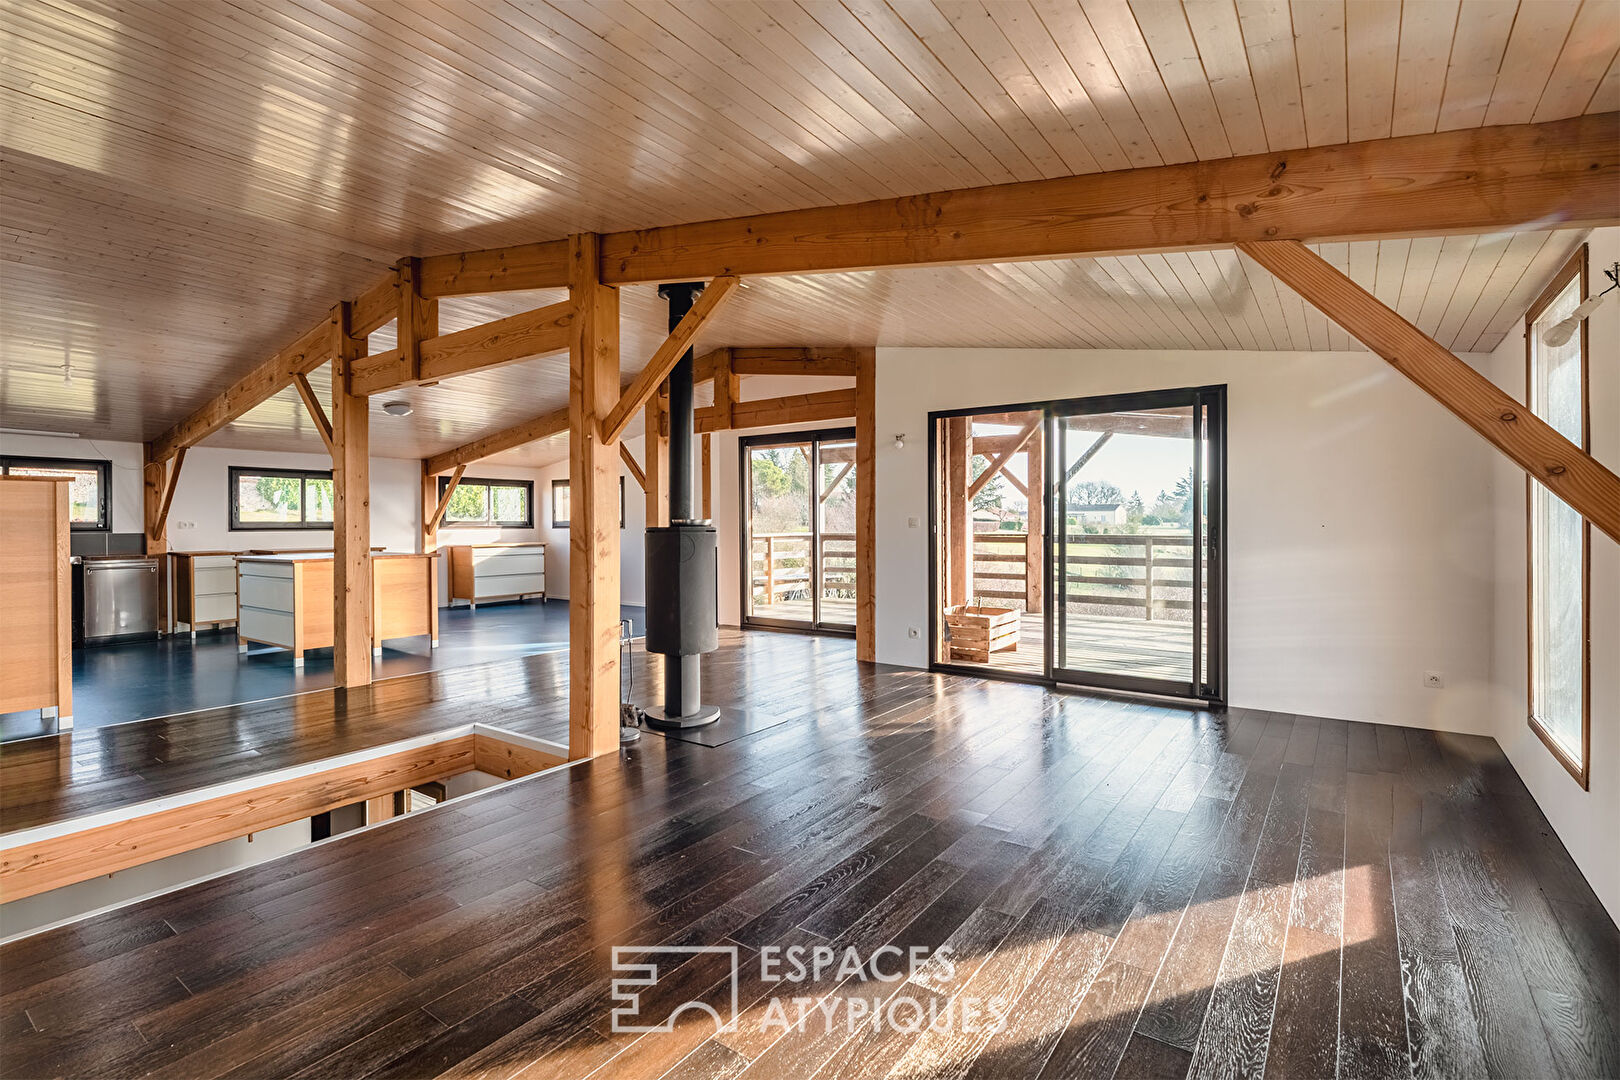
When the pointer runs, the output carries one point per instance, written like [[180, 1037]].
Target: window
[[280, 499], [561, 503], [1559, 540], [89, 495], [490, 502]]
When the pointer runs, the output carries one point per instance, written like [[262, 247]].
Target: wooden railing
[[1001, 557], [779, 566]]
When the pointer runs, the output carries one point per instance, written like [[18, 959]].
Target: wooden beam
[[832, 485], [792, 409], [593, 537], [655, 428], [524, 266], [1000, 461], [629, 460], [162, 525], [866, 505], [351, 512], [845, 361], [534, 429], [323, 426], [668, 355], [1531, 176], [503, 341], [1090, 452], [430, 503], [310, 351], [443, 503], [376, 307], [417, 321], [727, 386], [1534, 445]]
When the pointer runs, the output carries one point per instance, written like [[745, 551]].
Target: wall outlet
[[1433, 680], [913, 523], [913, 633]]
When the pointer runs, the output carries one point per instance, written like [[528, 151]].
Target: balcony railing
[[1149, 571], [779, 566]]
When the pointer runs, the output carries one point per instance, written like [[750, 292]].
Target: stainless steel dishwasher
[[120, 598]]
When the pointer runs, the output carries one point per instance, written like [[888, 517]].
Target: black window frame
[[104, 509], [234, 522], [488, 481], [559, 485]]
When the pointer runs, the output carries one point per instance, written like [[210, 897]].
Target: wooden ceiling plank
[[1540, 29], [1320, 52], [668, 355], [1534, 445], [1589, 51], [1427, 30], [1476, 57], [1563, 171], [309, 352], [1372, 35], [1225, 61], [1165, 31]]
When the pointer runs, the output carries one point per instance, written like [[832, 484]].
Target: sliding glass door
[[798, 526], [1136, 518], [1079, 541]]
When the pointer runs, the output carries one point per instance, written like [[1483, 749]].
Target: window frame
[[234, 522], [103, 522], [562, 485], [488, 481], [1577, 267]]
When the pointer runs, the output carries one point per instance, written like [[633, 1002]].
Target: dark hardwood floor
[[1138, 890]]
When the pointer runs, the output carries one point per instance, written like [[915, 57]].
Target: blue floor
[[114, 684]]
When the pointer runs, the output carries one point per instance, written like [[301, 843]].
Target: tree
[[1093, 492], [1134, 508]]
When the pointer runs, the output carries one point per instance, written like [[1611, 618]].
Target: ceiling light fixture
[[1560, 332], [33, 431], [397, 408]]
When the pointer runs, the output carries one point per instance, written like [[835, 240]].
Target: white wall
[[1585, 820], [1359, 544], [632, 549]]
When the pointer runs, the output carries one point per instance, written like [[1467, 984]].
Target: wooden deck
[[1121, 645], [1151, 890]]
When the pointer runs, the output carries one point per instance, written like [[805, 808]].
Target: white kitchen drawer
[[270, 627], [267, 569], [508, 562], [214, 608], [214, 581], [214, 562], [510, 584], [267, 593]]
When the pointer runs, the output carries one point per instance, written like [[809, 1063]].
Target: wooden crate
[[972, 633]]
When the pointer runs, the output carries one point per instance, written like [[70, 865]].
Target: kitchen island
[[285, 600]]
